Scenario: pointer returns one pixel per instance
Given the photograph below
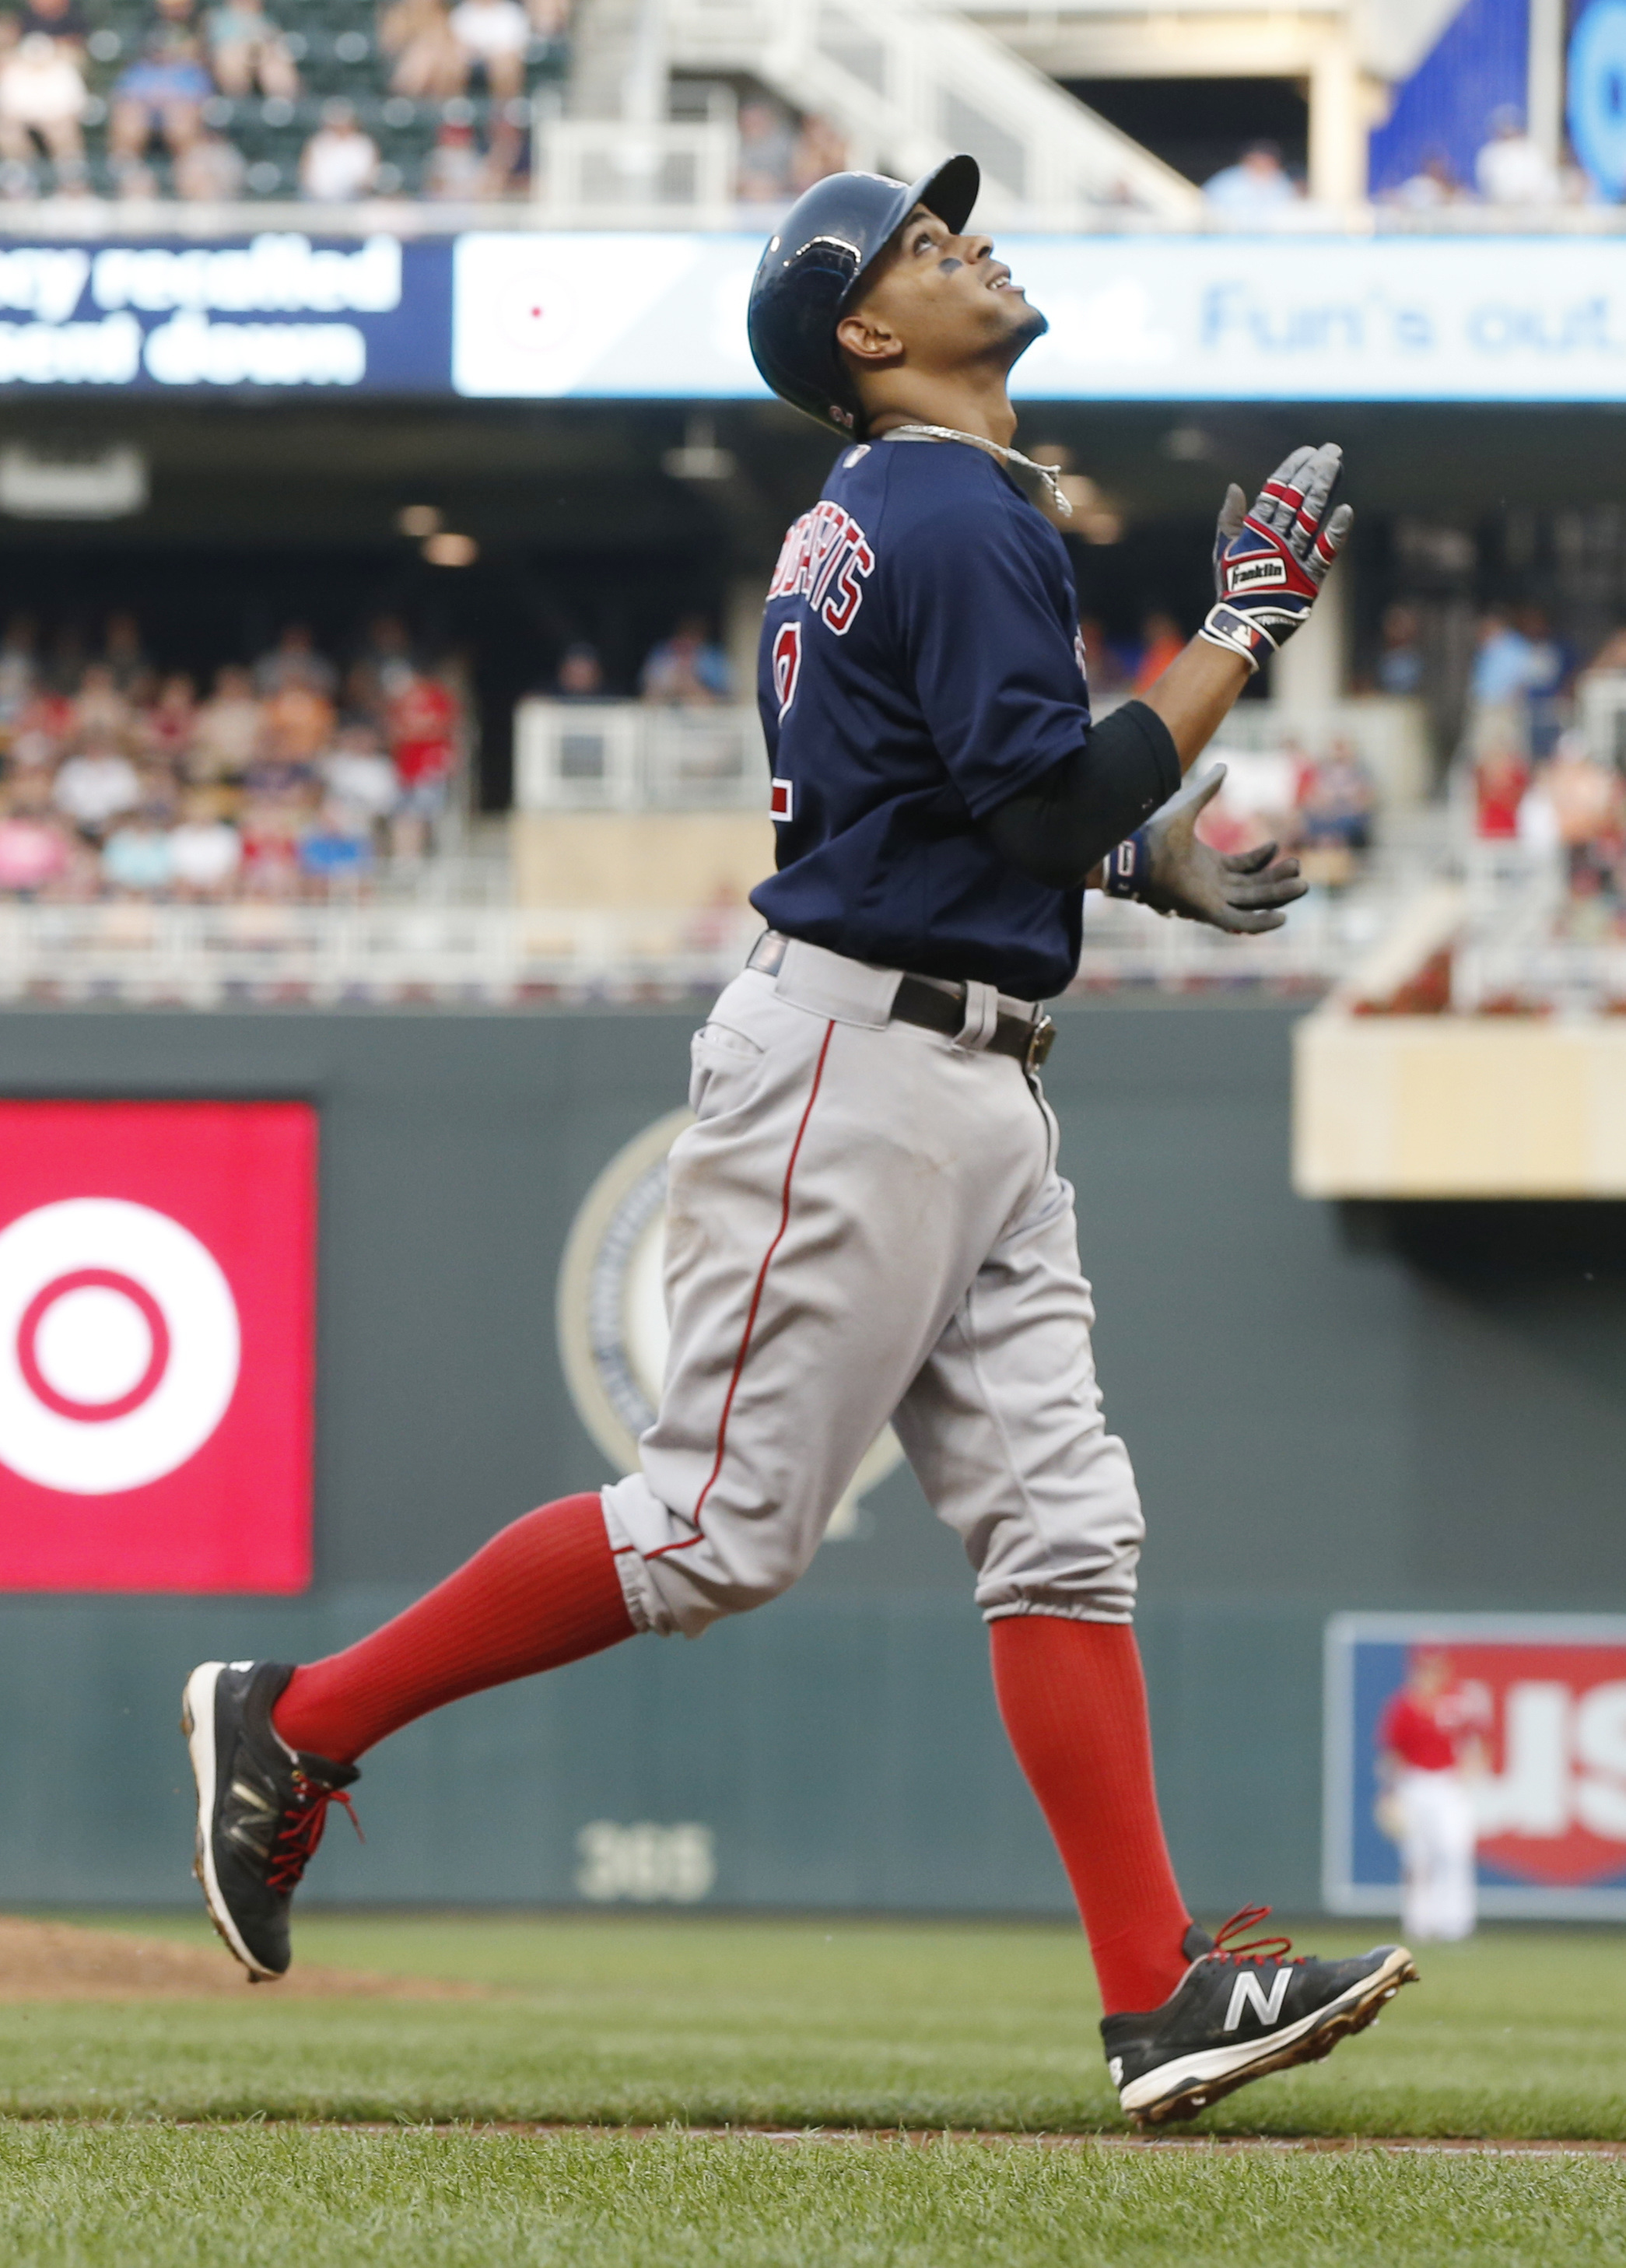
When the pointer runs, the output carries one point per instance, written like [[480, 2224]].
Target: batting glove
[[1269, 563], [1168, 866]]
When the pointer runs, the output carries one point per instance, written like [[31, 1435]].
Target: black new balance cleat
[[1238, 2012], [261, 1807]]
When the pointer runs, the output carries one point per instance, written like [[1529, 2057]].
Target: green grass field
[[796, 2025]]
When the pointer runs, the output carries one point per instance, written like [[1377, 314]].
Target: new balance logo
[[1115, 2069], [1266, 2005]]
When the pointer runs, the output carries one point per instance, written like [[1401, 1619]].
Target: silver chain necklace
[[1047, 474]]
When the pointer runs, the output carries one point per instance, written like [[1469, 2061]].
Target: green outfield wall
[[1381, 1407]]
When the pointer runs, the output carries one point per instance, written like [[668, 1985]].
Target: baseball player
[[1431, 1749], [866, 1221]]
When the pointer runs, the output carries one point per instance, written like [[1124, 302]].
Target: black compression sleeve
[[1076, 813]]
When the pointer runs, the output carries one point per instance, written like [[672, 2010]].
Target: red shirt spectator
[[423, 727], [1412, 1731], [1499, 785]]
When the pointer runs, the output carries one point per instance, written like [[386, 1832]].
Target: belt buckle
[[1041, 1040]]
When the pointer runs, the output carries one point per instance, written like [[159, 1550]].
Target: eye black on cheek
[[950, 264]]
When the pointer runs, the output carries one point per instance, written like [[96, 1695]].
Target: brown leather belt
[[937, 1005]]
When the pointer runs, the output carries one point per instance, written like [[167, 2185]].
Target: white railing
[[332, 956], [624, 755], [594, 173], [157, 955], [906, 83]]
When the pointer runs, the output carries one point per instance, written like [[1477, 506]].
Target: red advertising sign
[[1544, 1697], [157, 1345]]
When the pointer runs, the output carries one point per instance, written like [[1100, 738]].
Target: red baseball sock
[[1074, 1703], [542, 1593]]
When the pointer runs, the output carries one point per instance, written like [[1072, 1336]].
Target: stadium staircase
[[902, 80]]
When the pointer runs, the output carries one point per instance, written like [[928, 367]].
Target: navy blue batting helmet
[[809, 276]]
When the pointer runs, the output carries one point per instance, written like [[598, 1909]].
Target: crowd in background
[[1510, 170], [285, 779], [171, 98], [183, 102], [685, 669], [1542, 757]]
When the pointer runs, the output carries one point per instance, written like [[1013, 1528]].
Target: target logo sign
[[156, 1345]]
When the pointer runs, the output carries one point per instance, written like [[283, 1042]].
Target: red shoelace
[[1256, 1948], [296, 1843]]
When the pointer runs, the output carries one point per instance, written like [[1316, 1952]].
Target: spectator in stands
[[165, 731], [550, 19], [44, 726], [42, 99], [298, 724], [340, 162], [245, 50], [494, 36], [123, 650], [335, 848], [580, 675], [1160, 642], [1337, 802], [1510, 168], [1501, 776], [688, 669], [135, 857], [209, 172], [205, 850], [101, 712], [96, 787], [768, 144], [458, 173], [384, 665], [1103, 669], [1432, 185], [359, 777], [1400, 658], [423, 719], [1256, 184], [161, 93], [294, 661], [228, 729], [430, 64], [62, 20], [16, 669], [33, 851], [821, 150]]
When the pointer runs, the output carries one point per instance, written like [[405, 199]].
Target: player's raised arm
[[1269, 563]]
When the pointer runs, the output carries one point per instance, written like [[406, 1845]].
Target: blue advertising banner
[[270, 313], [1545, 1698], [1132, 318]]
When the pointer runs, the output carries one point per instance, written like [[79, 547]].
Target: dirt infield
[[58, 1960]]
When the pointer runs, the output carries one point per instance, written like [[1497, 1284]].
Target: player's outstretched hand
[[1249, 890], [1269, 563]]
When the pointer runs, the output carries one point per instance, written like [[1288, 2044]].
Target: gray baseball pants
[[866, 1223]]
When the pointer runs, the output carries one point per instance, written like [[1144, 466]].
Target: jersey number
[[787, 665]]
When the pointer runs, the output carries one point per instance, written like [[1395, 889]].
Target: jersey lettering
[[787, 663], [825, 559]]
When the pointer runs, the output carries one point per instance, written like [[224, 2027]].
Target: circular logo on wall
[[613, 1332], [119, 1346]]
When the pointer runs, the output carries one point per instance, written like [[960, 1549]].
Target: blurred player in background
[[1431, 1739]]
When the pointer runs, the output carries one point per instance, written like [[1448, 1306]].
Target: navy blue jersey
[[920, 664]]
